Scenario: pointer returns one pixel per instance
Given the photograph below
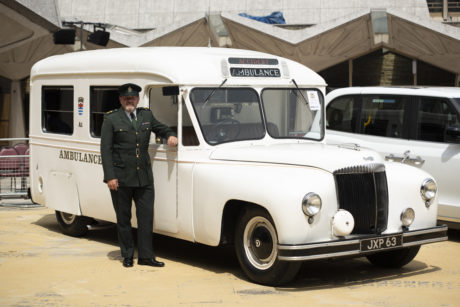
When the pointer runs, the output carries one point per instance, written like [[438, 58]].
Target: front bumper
[[352, 247]]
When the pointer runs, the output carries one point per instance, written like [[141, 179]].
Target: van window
[[57, 109], [293, 113], [228, 114], [434, 116], [164, 109], [340, 114], [383, 115], [102, 100], [189, 137]]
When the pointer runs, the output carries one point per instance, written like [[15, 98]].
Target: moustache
[[130, 108]]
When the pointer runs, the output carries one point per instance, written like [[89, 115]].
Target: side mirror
[[453, 133], [170, 91]]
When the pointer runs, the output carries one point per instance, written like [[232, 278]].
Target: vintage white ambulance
[[251, 168]]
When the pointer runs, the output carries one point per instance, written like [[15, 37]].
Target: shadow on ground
[[337, 273], [454, 235], [318, 274]]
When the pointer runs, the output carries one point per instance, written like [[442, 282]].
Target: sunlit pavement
[[39, 266]]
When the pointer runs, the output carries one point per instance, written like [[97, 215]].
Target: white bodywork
[[193, 184], [440, 159]]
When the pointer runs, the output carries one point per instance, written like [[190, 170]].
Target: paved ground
[[39, 266]]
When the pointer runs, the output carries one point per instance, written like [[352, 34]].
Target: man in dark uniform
[[125, 138]]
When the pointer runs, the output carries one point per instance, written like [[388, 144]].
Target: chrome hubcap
[[68, 218], [260, 243]]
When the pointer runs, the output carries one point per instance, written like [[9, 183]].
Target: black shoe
[[150, 261], [128, 262]]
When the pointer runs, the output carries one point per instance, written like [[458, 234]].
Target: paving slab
[[40, 266]]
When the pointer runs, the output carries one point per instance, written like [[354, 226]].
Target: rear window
[[57, 109], [435, 115], [102, 100]]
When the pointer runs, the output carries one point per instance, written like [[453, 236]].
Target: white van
[[418, 126], [251, 168]]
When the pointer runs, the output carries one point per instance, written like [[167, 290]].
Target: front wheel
[[394, 258], [73, 225], [257, 251]]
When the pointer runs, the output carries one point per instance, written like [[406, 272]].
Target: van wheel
[[257, 251], [394, 258], [73, 225]]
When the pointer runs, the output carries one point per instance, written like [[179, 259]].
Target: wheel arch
[[232, 210]]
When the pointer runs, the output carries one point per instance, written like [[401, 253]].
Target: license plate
[[367, 245]]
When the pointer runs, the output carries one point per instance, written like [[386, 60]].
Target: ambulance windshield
[[296, 113], [228, 114]]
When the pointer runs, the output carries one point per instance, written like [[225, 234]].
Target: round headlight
[[311, 204], [407, 217], [428, 190]]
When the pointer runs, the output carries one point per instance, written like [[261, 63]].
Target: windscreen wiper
[[301, 94], [212, 93]]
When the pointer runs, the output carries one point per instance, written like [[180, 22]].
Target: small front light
[[311, 204], [428, 190], [407, 217]]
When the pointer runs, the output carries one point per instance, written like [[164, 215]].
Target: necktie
[[133, 120]]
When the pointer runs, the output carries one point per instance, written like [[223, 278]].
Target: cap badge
[[130, 89]]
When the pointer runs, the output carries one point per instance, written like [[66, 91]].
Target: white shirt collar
[[129, 115]]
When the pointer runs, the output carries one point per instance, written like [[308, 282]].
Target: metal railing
[[14, 170]]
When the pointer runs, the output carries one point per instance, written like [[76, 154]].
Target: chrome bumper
[[350, 247]]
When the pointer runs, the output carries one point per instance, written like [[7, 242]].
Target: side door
[[164, 163], [431, 141]]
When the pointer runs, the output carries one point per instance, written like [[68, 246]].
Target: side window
[[164, 109], [189, 137], [339, 114], [434, 116], [57, 109], [102, 100], [383, 115]]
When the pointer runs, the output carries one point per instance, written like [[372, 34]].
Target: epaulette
[[111, 111]]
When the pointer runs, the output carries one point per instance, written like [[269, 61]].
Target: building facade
[[350, 43]]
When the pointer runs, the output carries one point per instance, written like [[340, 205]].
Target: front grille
[[362, 190]]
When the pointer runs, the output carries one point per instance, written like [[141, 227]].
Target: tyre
[[257, 251], [394, 258], [73, 225], [29, 196]]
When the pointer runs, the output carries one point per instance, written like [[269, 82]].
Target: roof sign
[[252, 61], [255, 72]]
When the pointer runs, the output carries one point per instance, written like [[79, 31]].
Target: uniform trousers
[[122, 201]]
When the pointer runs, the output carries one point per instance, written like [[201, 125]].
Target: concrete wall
[[148, 14]]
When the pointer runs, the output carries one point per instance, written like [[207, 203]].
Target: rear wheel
[[73, 225], [394, 258], [257, 251]]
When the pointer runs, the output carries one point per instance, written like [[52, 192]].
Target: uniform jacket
[[124, 150]]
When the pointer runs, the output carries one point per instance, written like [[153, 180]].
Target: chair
[[10, 166], [9, 162], [21, 148]]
